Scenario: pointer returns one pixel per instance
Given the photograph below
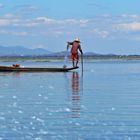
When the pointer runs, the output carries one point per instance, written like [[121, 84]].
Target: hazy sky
[[104, 26]]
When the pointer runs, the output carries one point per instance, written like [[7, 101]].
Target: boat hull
[[33, 69]]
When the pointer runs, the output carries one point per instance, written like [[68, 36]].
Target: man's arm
[[70, 43]]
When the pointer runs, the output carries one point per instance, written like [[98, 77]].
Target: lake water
[[101, 104]]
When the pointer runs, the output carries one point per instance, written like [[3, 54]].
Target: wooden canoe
[[34, 69]]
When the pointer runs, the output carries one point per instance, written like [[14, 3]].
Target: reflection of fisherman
[[75, 83], [74, 51], [75, 95]]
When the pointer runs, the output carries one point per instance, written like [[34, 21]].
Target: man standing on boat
[[74, 51]]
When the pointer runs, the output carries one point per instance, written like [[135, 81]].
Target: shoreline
[[50, 58]]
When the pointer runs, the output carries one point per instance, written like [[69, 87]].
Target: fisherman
[[74, 51]]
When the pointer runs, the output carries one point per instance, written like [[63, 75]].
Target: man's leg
[[73, 62], [72, 58], [77, 59]]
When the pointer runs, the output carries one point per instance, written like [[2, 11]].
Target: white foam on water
[[2, 118], [31, 123], [14, 97], [40, 120], [51, 87], [113, 109], [77, 124], [16, 122], [20, 112], [33, 128], [42, 132], [14, 129], [67, 109], [33, 117], [39, 95]]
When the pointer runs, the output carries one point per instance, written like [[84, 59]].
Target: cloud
[[134, 26], [132, 16], [15, 33], [105, 26], [42, 21], [101, 33], [4, 22], [45, 20], [127, 23], [46, 26], [9, 20]]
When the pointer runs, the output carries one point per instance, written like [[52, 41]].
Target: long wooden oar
[[82, 63]]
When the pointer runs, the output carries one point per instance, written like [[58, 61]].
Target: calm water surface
[[101, 104]]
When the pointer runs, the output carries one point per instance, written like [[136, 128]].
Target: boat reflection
[[75, 96], [17, 74]]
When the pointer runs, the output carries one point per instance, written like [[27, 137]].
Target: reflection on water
[[75, 83], [75, 97]]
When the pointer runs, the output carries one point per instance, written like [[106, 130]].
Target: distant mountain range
[[20, 50], [23, 51]]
